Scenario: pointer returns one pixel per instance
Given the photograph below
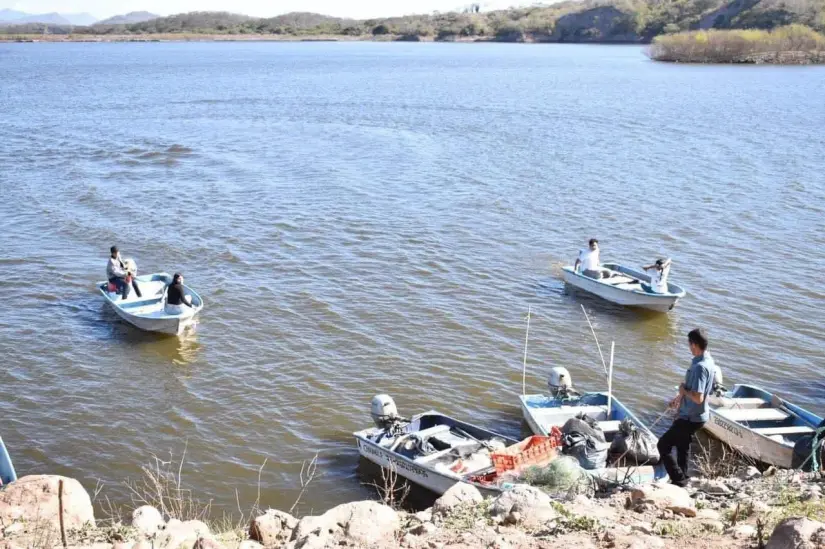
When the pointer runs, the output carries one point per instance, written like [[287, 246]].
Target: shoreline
[[728, 509], [194, 37]]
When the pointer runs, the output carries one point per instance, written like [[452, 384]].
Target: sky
[[359, 9]]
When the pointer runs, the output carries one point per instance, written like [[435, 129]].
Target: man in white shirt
[[590, 262], [659, 272]]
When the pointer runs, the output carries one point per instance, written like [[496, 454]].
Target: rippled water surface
[[366, 218]]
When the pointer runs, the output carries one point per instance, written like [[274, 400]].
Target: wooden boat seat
[[746, 403], [610, 426], [566, 413], [752, 414], [617, 280], [792, 430]]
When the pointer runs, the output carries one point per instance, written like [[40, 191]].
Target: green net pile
[[563, 474]]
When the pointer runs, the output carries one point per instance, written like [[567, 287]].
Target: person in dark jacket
[[176, 298], [119, 275]]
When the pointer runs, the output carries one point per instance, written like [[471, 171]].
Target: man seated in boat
[[658, 272], [176, 298], [119, 275], [589, 263]]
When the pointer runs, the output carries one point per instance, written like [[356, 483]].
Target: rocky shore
[[776, 510]]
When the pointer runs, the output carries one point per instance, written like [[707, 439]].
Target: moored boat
[[7, 473], [149, 311], [544, 412], [625, 286], [760, 425], [434, 450]]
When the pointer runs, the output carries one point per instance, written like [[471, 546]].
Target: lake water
[[365, 218]]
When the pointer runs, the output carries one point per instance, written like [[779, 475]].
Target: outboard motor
[[383, 411], [560, 383], [718, 388]]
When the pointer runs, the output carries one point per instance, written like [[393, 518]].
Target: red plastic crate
[[533, 450]]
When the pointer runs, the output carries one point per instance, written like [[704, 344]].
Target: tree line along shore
[[718, 28]]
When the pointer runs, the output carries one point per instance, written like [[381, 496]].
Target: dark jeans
[[679, 436], [123, 288]]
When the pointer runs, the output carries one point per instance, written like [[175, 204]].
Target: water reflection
[[179, 350]]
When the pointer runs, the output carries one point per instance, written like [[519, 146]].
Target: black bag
[[584, 440], [633, 447], [585, 425]]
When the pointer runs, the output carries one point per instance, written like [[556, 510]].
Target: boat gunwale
[[150, 300], [656, 297]]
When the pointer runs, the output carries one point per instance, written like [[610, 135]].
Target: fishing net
[[563, 474]]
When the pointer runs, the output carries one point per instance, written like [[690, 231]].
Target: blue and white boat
[[543, 412], [759, 425], [431, 449], [625, 286], [7, 473], [149, 311]]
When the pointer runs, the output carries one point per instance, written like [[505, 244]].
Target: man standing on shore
[[693, 409]]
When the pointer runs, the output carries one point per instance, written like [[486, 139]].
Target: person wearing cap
[[659, 272], [176, 298], [118, 275], [590, 262]]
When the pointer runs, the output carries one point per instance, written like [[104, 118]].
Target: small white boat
[[542, 413], [432, 450], [7, 473], [149, 311], [625, 286], [759, 425]]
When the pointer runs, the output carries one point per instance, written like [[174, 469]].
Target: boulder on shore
[[35, 499], [365, 523], [797, 533], [147, 521], [523, 504], [461, 493], [178, 533], [272, 527], [665, 496]]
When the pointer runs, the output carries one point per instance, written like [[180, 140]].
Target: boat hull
[[147, 313], [431, 480], [745, 438], [628, 295], [7, 472]]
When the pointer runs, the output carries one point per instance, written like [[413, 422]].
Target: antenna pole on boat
[[599, 347], [524, 363], [610, 381]]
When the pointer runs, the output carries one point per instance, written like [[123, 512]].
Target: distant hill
[[627, 21], [80, 19], [47, 18], [129, 18], [14, 17], [11, 15]]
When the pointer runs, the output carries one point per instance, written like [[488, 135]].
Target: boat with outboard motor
[[625, 286], [7, 472], [760, 425], [623, 433], [149, 311], [434, 450]]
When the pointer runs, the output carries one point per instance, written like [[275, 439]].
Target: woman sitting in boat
[[176, 298], [659, 272]]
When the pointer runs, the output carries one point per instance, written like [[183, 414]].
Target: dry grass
[[718, 460], [391, 491], [789, 44]]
